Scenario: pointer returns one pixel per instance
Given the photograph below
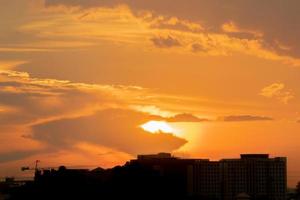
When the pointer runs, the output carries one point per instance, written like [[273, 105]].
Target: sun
[[157, 126]]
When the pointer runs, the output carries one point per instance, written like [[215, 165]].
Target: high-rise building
[[205, 179], [253, 176], [259, 176]]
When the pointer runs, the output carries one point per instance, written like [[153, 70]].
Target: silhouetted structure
[[252, 177], [259, 176]]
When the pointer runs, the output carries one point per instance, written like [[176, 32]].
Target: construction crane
[[38, 171], [36, 168]]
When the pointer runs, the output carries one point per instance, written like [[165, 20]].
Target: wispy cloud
[[46, 99], [231, 27], [229, 33], [81, 28], [278, 91], [10, 64], [241, 118], [186, 117], [165, 42]]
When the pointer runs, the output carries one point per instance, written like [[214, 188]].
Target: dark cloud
[[113, 128], [30, 102], [182, 117], [185, 117], [237, 118], [196, 47], [278, 21], [15, 155], [165, 42]]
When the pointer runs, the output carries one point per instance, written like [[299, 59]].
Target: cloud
[[272, 90], [185, 117], [278, 91], [238, 118], [169, 23], [165, 42], [32, 100], [114, 128], [9, 64], [153, 110], [270, 36], [232, 28], [15, 155], [198, 47], [60, 114], [163, 115], [68, 24]]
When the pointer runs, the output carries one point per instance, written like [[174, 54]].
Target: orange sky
[[79, 78]]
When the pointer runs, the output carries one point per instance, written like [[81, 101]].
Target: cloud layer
[[238, 118], [117, 129], [259, 20], [278, 91], [62, 114]]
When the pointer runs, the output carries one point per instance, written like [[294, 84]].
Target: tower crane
[[36, 168]]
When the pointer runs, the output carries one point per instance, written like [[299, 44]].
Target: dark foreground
[[161, 176], [126, 182]]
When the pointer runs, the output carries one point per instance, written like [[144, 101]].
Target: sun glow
[[157, 126]]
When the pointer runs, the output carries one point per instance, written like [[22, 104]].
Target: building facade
[[254, 175], [259, 176]]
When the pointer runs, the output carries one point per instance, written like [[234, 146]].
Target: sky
[[87, 83]]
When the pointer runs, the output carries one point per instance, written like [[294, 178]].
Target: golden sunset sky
[[95, 82]]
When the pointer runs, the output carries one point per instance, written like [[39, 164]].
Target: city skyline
[[152, 176], [94, 83]]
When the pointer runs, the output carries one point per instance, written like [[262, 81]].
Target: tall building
[[205, 179], [259, 176], [253, 176]]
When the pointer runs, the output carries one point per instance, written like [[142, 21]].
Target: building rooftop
[[243, 157], [155, 156], [254, 156]]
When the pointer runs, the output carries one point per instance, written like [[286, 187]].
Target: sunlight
[[157, 126]]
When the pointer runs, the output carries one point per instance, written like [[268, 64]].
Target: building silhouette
[[162, 176], [253, 176]]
